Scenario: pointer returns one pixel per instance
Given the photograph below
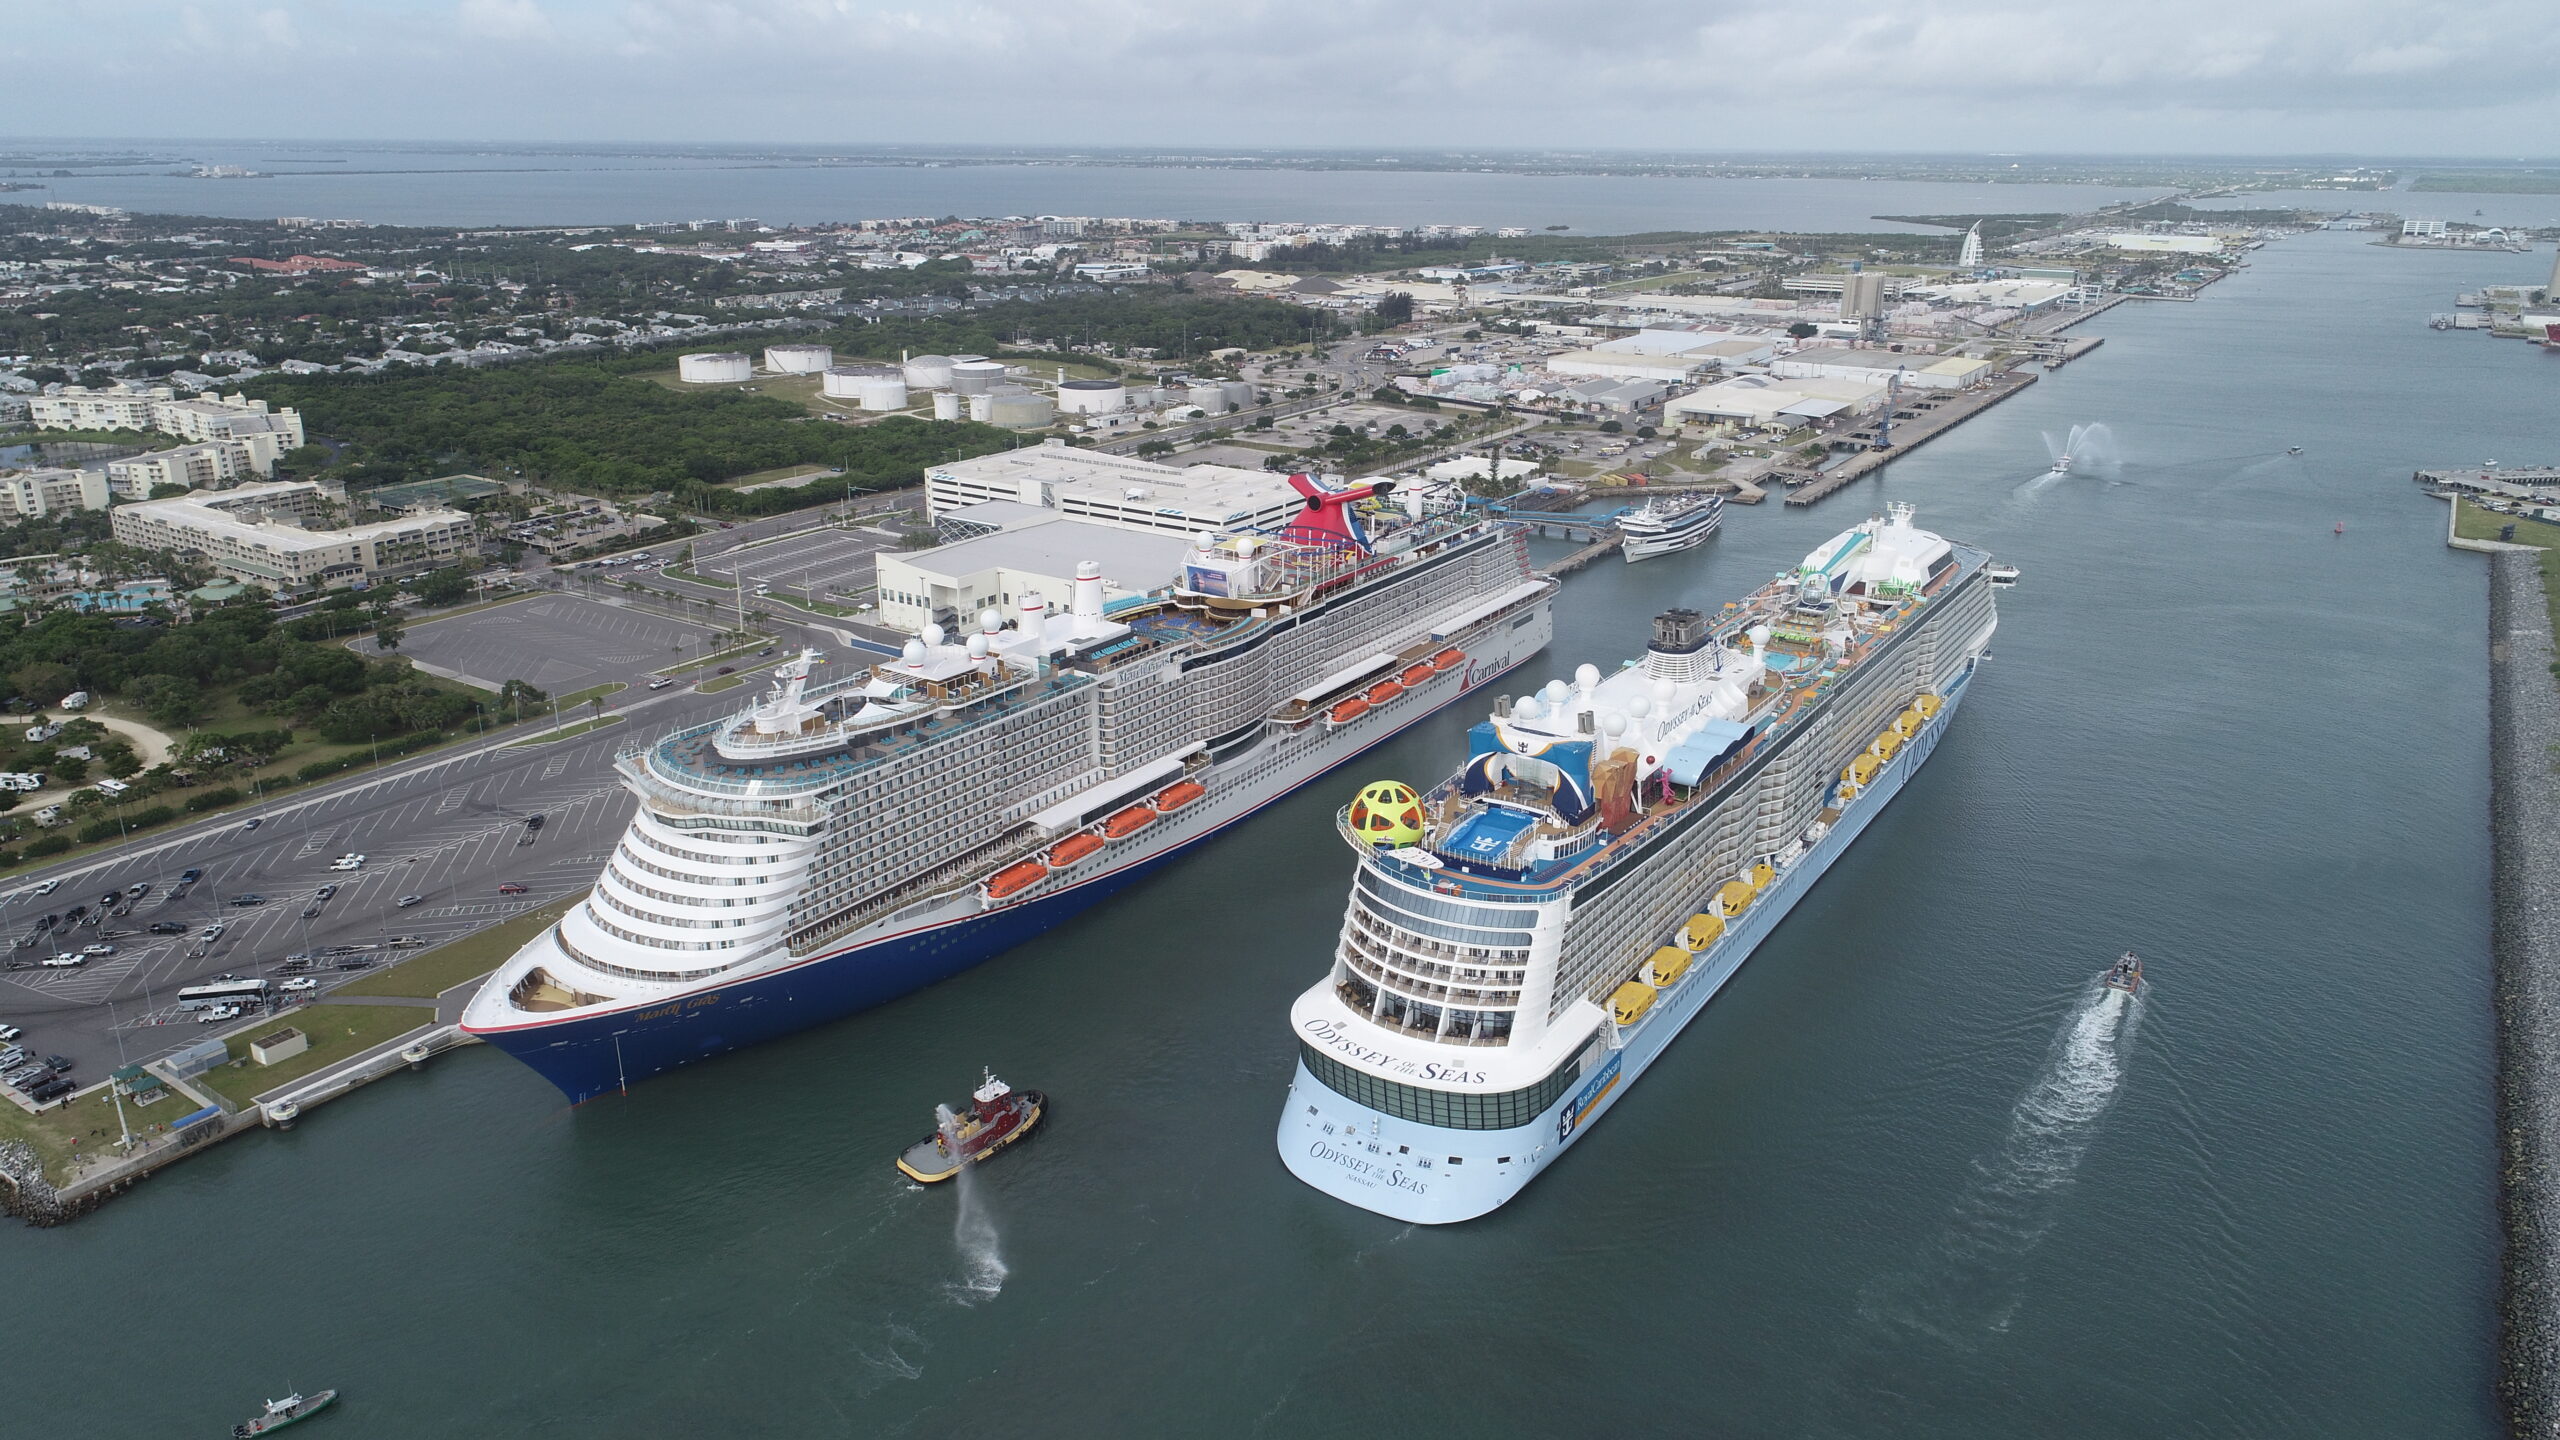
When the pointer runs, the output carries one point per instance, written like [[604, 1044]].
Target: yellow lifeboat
[[1174, 797], [1072, 849], [1735, 897], [1628, 1002], [1761, 875], [1014, 879], [1665, 968], [1908, 723], [1928, 706], [1885, 745], [1701, 931], [1862, 770]]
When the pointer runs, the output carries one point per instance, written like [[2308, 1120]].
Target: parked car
[[511, 888], [59, 1062], [66, 961], [189, 876], [661, 683], [296, 987], [48, 887], [26, 1077], [10, 1032], [324, 892], [214, 930], [167, 927], [408, 900], [245, 901], [251, 825], [311, 911], [12, 1058], [51, 1090], [218, 1014], [137, 889], [94, 950]]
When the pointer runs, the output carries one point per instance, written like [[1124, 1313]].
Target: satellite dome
[[1558, 692], [1586, 676], [913, 654], [932, 634], [1526, 708]]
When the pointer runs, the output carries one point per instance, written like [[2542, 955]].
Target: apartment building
[[264, 534], [205, 418], [214, 465], [33, 494]]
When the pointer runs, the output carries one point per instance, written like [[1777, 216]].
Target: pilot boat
[[287, 1411], [2125, 974]]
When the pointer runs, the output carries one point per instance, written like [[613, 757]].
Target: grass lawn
[[336, 1031], [567, 732], [433, 972], [779, 475], [723, 682], [62, 1133], [580, 697], [2470, 522]]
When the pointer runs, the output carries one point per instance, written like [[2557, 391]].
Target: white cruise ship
[[847, 840], [1668, 524], [1546, 920]]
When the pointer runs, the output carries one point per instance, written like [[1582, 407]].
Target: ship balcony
[[1421, 1021]]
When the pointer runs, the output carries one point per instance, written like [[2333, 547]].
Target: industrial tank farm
[[1091, 397], [721, 368], [927, 372]]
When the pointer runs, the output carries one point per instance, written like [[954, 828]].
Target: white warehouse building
[[1119, 490]]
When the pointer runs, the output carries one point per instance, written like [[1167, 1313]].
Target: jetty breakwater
[[2524, 750]]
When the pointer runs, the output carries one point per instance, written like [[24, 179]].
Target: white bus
[[225, 992]]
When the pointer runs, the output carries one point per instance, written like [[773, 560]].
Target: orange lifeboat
[[1014, 879], [1174, 797], [1072, 849], [1128, 822], [1448, 659], [1416, 674], [1348, 711], [1384, 691]]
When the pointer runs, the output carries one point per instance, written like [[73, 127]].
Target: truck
[[76, 700]]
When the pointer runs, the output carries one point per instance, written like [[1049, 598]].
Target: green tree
[[387, 630], [442, 587], [116, 757], [170, 700], [516, 696], [69, 769]]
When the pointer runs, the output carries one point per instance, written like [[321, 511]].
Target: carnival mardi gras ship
[[1522, 942], [840, 844]]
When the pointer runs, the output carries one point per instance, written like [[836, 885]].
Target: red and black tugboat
[[2125, 974], [997, 1116]]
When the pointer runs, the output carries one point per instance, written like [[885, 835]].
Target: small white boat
[[1669, 523], [2003, 576]]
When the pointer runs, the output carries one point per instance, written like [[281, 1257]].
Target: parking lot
[[561, 643], [821, 564]]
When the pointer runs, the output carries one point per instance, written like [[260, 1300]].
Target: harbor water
[[1912, 1173]]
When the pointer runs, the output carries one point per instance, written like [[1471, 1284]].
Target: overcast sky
[[2376, 77]]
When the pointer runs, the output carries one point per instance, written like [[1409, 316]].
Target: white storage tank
[[1018, 409], [976, 377], [946, 406], [872, 387], [798, 359], [1206, 394], [927, 372], [721, 368], [1239, 394], [1091, 397]]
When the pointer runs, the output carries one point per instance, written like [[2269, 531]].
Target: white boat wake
[[973, 1231], [1974, 1281]]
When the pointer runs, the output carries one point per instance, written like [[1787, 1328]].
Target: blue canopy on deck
[[1712, 745]]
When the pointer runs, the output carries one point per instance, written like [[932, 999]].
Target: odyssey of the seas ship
[[841, 844], [1522, 942]]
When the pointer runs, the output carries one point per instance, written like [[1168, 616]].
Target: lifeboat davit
[[1416, 674], [1629, 1001], [1348, 711], [1449, 659], [1174, 797], [1665, 968], [1014, 879], [1128, 822], [1384, 691], [1072, 849]]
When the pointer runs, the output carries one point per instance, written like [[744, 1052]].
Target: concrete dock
[[1924, 418]]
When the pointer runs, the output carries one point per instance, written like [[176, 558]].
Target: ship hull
[[1378, 1162], [588, 1056]]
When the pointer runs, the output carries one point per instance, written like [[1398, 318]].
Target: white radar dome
[[991, 620], [913, 654], [1639, 707], [1586, 676], [1614, 723], [1558, 692], [1525, 708], [932, 634], [977, 647]]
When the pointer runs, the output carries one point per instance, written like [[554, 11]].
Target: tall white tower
[[1970, 258]]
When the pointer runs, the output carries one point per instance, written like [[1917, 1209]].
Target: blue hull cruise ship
[[840, 844]]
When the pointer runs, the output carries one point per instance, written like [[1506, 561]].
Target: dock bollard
[[281, 1114], [416, 1055]]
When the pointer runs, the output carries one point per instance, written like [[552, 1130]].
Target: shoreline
[[2524, 817]]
